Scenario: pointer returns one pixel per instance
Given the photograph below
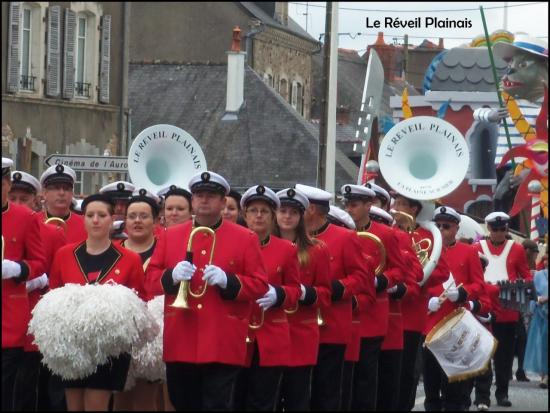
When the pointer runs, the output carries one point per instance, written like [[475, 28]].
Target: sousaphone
[[424, 158]]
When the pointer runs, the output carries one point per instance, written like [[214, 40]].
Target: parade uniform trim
[[115, 255]]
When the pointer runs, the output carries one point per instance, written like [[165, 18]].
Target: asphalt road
[[525, 396]]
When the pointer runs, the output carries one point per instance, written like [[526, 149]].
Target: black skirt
[[109, 376]]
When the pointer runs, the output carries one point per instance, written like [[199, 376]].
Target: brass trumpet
[[320, 320], [423, 254], [380, 244], [184, 289], [258, 325], [58, 221]]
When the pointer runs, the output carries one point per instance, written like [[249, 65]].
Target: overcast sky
[[530, 17]]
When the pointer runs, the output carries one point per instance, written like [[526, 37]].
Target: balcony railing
[[82, 89], [27, 82]]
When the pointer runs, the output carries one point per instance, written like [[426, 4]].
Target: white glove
[[470, 305], [10, 269], [303, 296], [268, 299], [183, 271], [452, 294], [392, 290], [214, 275], [37, 284], [434, 304]]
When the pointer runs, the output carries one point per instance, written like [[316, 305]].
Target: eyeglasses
[[255, 211], [498, 229], [444, 226], [142, 217]]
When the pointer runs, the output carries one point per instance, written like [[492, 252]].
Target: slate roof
[[292, 26], [270, 143], [465, 70]]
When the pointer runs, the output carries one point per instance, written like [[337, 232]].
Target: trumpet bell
[[424, 157], [181, 298]]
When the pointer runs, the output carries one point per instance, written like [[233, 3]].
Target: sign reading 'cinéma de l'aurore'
[[164, 155]]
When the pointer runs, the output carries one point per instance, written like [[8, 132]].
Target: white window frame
[[78, 56], [37, 48], [25, 8]]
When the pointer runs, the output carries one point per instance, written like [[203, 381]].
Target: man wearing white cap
[[120, 192], [57, 182], [205, 345], [464, 285], [374, 317], [22, 258], [507, 261], [350, 275], [29, 389]]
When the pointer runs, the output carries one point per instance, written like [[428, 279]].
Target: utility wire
[[421, 11]]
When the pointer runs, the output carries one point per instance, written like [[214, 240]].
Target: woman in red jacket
[[97, 260], [269, 348], [313, 258]]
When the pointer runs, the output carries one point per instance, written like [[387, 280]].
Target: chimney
[[386, 52], [281, 12], [342, 115], [235, 74], [440, 45]]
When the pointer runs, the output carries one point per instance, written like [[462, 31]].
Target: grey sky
[[529, 18]]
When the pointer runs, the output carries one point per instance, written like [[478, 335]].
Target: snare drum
[[461, 345]]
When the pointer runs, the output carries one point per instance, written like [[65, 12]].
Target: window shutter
[[105, 65], [52, 62], [13, 47], [69, 45]]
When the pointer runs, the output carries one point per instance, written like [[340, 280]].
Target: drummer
[[97, 260], [464, 286]]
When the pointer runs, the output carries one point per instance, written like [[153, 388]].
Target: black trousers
[[30, 387], [201, 387], [440, 394], [504, 356], [258, 388], [390, 371], [326, 390], [482, 386], [521, 342], [296, 389], [409, 376], [347, 385], [365, 379], [11, 361]]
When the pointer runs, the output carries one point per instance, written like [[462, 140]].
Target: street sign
[[89, 163]]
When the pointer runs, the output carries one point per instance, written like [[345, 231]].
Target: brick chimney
[[440, 45], [342, 115], [281, 12], [386, 52], [235, 74]]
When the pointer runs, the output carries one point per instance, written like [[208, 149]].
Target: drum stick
[[441, 298]]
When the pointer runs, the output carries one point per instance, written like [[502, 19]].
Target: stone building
[[63, 83], [278, 49]]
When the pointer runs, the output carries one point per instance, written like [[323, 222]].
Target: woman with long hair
[[313, 258], [97, 260]]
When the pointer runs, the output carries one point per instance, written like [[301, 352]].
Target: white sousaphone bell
[[163, 155], [424, 158]]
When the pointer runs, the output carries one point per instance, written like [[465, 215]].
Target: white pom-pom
[[77, 328], [147, 360]]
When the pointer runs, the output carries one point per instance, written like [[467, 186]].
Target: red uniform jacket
[[273, 337], [22, 244], [517, 267], [350, 274], [415, 310], [463, 260], [214, 329], [53, 238], [75, 231], [304, 330], [126, 270]]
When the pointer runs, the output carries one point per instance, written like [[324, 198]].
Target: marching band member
[[313, 257], [120, 192], [176, 205], [22, 258], [201, 373], [466, 271], [374, 317], [232, 210], [57, 182], [269, 347], [414, 307], [97, 260], [141, 215], [32, 377], [349, 276], [507, 261]]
